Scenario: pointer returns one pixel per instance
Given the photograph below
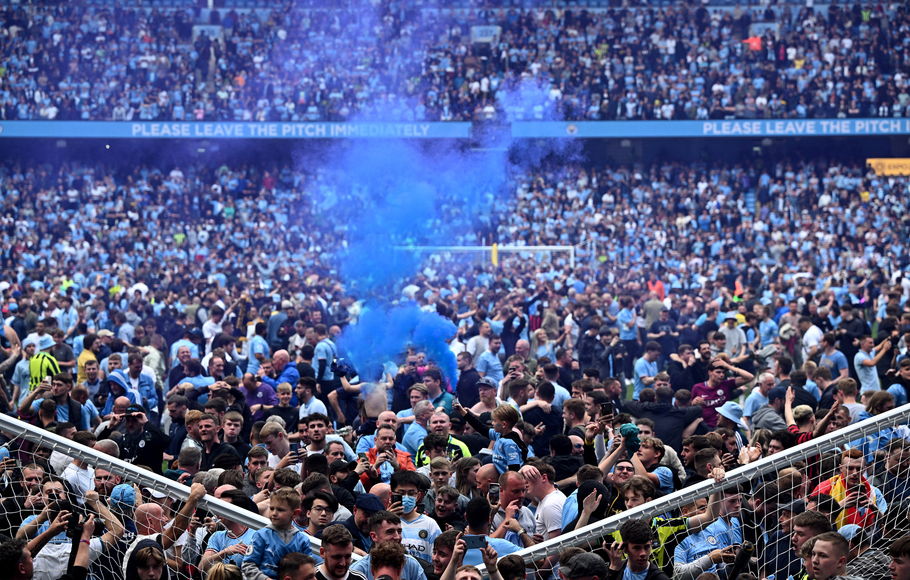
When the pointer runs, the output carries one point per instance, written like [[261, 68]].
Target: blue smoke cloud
[[420, 193]]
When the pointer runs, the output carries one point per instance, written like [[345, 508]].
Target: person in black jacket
[[636, 546], [466, 389], [142, 443]]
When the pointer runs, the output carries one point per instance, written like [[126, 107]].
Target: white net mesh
[[852, 480], [46, 475]]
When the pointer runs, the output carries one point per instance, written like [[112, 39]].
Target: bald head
[[281, 358], [387, 418], [121, 404], [108, 447], [485, 476], [221, 489], [384, 492], [149, 519]]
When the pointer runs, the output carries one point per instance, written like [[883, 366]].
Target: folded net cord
[[773, 552], [24, 497]]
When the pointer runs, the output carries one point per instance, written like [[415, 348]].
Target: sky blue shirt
[[753, 402], [643, 368], [868, 376], [414, 438], [325, 350], [768, 331], [474, 557], [412, 569], [488, 364], [835, 361], [257, 345], [625, 319]]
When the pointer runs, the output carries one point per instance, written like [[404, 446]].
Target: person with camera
[[141, 442], [17, 556], [457, 570]]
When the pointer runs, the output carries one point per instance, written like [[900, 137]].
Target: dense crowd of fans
[[158, 328], [559, 416], [385, 61]]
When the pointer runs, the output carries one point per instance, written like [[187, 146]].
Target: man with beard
[[385, 459], [26, 501], [141, 442]]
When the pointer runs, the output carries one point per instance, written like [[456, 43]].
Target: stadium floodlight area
[[827, 448]]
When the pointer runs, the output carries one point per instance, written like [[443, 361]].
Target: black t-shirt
[[352, 575], [291, 416], [667, 343], [306, 370]]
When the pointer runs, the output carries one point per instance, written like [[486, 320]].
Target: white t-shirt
[[81, 478], [549, 514], [812, 337]]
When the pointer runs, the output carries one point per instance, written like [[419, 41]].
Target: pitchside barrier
[[590, 537]]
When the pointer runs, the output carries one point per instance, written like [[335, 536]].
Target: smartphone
[[606, 409], [396, 498], [494, 493], [363, 456], [475, 542], [295, 447]]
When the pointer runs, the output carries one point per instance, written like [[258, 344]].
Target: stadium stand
[[412, 62]]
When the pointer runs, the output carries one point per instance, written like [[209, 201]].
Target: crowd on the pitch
[[385, 61], [170, 226], [571, 404]]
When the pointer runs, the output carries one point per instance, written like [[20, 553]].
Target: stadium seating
[[103, 60]]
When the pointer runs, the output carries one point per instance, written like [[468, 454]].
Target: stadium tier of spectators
[[388, 61]]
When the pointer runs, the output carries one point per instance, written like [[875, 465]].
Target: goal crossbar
[[745, 474]]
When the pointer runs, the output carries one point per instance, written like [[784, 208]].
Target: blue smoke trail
[[419, 193]]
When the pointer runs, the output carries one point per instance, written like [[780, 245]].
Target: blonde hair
[[283, 388], [270, 429], [192, 416]]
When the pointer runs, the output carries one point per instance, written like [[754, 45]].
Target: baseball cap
[[104, 333], [157, 494], [123, 496], [850, 531], [586, 564], [487, 382], [777, 393], [795, 507], [341, 465], [285, 304], [135, 408], [13, 307], [369, 503]]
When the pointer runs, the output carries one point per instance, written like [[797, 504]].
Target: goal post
[[17, 429], [590, 536]]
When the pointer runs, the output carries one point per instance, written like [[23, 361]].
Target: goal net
[[45, 474], [760, 519]]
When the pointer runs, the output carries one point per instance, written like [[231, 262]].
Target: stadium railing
[[590, 536]]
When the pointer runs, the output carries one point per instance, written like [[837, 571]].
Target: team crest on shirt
[[711, 540], [259, 394], [423, 534], [720, 392], [141, 444]]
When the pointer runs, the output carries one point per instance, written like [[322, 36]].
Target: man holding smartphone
[[476, 537]]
